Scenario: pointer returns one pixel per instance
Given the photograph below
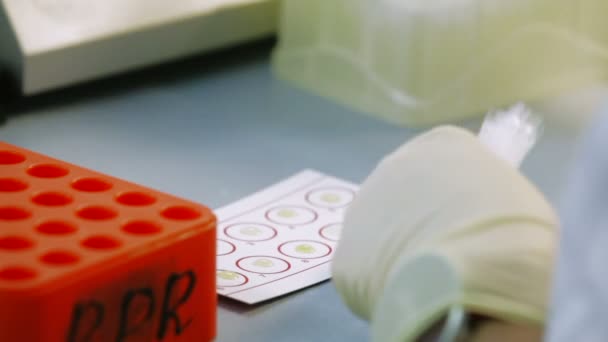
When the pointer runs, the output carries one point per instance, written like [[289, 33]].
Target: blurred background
[[214, 99]]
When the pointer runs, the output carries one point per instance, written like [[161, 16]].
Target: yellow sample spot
[[263, 263], [227, 275], [305, 249], [330, 198], [251, 231], [287, 213]]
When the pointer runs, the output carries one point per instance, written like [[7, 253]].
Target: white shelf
[[47, 44]]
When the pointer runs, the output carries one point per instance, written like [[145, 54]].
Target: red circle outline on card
[[239, 273], [325, 227], [262, 256], [275, 233], [314, 213], [298, 257], [308, 194], [231, 245]]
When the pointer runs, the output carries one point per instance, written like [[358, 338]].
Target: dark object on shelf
[[9, 95]]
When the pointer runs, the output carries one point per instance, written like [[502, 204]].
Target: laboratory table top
[[218, 127]]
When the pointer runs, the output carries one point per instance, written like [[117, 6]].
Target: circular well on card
[[263, 264], [331, 232], [291, 215], [226, 278], [330, 197], [250, 231], [305, 249]]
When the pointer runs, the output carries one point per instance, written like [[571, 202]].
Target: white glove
[[445, 221]]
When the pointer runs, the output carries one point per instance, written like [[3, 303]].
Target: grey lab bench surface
[[217, 128]]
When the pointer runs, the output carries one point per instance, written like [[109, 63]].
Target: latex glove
[[444, 221]]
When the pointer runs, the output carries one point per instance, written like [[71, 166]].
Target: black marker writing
[[124, 330], [169, 313], [135, 313], [90, 315]]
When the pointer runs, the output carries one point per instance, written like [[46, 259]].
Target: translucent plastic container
[[422, 62]]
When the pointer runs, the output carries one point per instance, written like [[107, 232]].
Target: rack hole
[[15, 243], [97, 213], [142, 228], [91, 184], [135, 198], [16, 273], [52, 199], [56, 228], [181, 213], [101, 242], [59, 258], [11, 157], [12, 185], [13, 213], [47, 171]]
